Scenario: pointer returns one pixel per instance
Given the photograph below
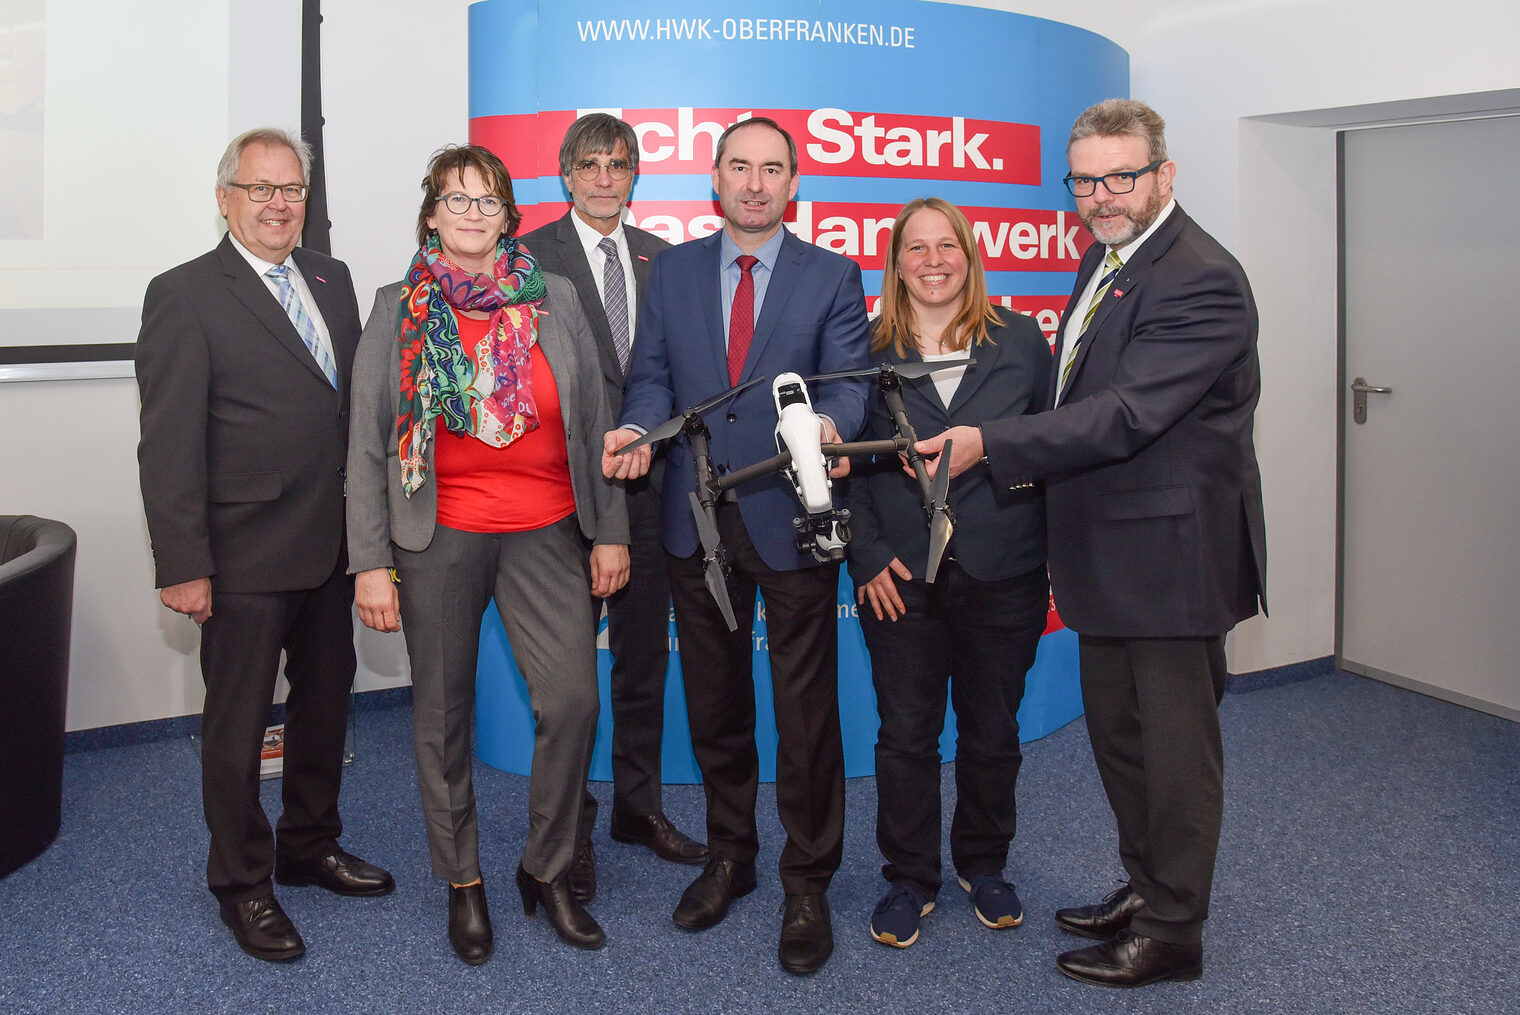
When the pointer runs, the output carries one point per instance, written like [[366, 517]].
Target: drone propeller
[[671, 427], [908, 370], [712, 571], [941, 525]]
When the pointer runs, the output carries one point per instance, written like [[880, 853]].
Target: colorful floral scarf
[[487, 391]]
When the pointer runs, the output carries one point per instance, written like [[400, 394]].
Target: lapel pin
[[641, 257], [1118, 293], [319, 278]]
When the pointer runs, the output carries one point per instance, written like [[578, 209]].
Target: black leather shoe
[[338, 872], [582, 874], [573, 924], [470, 923], [656, 832], [1105, 920], [263, 930], [807, 935], [705, 902], [1132, 960]]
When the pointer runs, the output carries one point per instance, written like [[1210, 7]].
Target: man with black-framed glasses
[[1155, 533], [607, 260], [242, 363]]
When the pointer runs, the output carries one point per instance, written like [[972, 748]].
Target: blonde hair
[[895, 325]]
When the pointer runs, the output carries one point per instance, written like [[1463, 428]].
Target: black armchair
[[36, 608]]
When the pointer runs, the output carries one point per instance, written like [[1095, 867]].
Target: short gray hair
[[1122, 118], [275, 137], [597, 134]]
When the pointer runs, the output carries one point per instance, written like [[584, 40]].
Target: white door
[[1430, 542]]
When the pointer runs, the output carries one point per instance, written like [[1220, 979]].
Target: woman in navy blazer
[[974, 632]]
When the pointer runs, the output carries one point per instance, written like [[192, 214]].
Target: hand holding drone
[[802, 455]]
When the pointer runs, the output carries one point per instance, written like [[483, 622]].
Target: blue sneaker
[[995, 901], [895, 921]]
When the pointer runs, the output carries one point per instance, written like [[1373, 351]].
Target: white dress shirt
[[1073, 330], [260, 266], [596, 259]]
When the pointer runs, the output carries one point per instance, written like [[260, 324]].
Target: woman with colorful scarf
[[473, 474]]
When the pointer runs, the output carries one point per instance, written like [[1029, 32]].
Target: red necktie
[[741, 319]]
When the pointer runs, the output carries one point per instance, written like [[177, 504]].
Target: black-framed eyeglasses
[[590, 169], [490, 205], [1114, 183], [262, 193]]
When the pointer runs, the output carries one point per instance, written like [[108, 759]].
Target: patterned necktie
[[615, 297], [1113, 264], [305, 326], [741, 319]]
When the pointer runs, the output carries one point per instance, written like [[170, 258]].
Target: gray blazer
[[379, 514]]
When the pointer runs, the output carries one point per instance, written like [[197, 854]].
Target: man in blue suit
[[752, 301], [1156, 541]]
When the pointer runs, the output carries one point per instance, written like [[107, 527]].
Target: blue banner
[[887, 100]]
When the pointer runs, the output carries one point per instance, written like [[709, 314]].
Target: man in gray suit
[[243, 364], [608, 263]]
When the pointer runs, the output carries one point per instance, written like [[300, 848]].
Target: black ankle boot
[[470, 923], [571, 922]]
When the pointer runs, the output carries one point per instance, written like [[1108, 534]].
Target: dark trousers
[[1153, 716], [240, 659], [977, 639], [802, 631], [638, 633]]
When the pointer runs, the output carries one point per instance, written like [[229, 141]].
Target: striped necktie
[[1113, 264], [305, 326], [615, 297]]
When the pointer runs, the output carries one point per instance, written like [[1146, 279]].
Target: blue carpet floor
[[1368, 865]]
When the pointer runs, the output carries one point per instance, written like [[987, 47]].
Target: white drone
[[803, 457]]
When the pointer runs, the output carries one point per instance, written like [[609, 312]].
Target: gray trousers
[[540, 580]]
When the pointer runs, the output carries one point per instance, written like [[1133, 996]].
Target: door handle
[[1360, 390]]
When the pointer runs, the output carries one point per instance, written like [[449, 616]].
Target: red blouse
[[523, 486]]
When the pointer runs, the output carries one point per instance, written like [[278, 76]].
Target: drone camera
[[824, 535]]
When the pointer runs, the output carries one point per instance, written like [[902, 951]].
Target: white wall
[[1236, 81], [72, 453], [1268, 190], [374, 163]]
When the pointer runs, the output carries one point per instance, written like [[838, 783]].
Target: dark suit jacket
[[813, 321], [1153, 493], [243, 438], [999, 533], [558, 248]]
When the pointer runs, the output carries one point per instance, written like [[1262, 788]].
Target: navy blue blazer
[[999, 533], [1152, 490], [813, 321]]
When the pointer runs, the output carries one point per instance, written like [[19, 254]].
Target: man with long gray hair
[[608, 262]]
